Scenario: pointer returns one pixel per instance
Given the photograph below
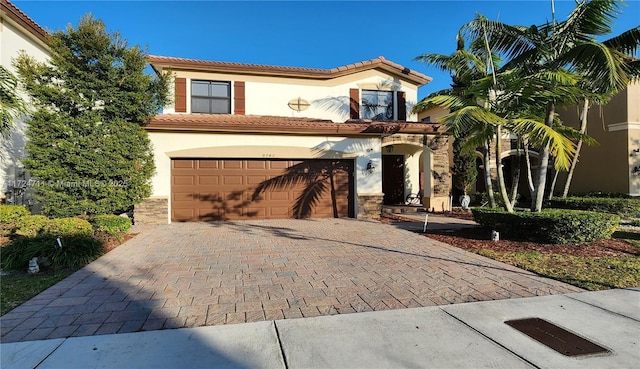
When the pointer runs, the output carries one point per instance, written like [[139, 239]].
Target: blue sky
[[315, 34]]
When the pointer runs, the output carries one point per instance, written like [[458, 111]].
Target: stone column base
[[369, 206], [437, 203], [151, 211]]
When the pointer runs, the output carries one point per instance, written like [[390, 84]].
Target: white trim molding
[[624, 126]]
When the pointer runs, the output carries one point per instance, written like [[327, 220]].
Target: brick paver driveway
[[196, 274]]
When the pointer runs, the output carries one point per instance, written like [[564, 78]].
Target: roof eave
[[20, 18], [160, 62]]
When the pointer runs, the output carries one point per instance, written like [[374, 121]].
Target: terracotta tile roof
[[22, 19], [284, 125], [274, 70]]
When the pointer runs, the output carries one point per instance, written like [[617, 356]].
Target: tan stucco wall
[[434, 114], [607, 167]]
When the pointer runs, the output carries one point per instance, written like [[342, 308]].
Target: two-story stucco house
[[18, 33], [245, 141]]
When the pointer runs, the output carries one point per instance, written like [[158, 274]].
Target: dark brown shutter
[[354, 103], [238, 98], [181, 95], [402, 105]]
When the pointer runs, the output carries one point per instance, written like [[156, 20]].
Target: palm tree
[[622, 46], [11, 104], [464, 67], [490, 103], [545, 54]]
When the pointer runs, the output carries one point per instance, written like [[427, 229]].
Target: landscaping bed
[[597, 265]]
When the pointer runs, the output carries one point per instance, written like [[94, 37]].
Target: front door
[[393, 179]]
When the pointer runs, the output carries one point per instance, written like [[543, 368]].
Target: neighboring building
[[612, 166], [18, 33], [234, 127]]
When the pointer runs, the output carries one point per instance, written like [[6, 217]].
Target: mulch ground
[[474, 239]]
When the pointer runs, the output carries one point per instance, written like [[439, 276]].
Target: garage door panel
[[232, 180], [183, 197], [279, 196], [279, 164], [257, 164], [182, 164], [179, 180], [255, 180], [181, 215], [279, 212], [208, 164], [232, 164], [220, 189], [255, 212], [208, 180]]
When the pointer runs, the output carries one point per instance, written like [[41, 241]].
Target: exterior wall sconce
[[634, 152], [370, 167], [389, 148], [636, 170]]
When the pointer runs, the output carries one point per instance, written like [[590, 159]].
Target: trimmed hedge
[[68, 227], [9, 215], [555, 226], [621, 206], [30, 225], [111, 224]]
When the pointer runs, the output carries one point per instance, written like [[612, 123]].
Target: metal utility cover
[[556, 337]]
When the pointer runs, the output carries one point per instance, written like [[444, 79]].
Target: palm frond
[[451, 102], [588, 19], [540, 135], [470, 118], [575, 135], [503, 38], [627, 42], [601, 66]]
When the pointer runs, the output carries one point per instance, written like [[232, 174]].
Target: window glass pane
[[221, 89], [200, 105], [220, 106], [200, 88], [377, 105]]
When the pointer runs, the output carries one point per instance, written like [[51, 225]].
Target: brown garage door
[[229, 189]]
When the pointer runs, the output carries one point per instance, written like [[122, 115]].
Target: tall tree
[[623, 46], [87, 147], [491, 103], [546, 52], [464, 68]]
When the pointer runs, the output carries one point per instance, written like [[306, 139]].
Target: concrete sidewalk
[[470, 335]]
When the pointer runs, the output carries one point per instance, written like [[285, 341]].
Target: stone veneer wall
[[442, 184], [369, 206], [151, 211]]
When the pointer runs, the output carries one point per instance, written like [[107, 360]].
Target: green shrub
[[556, 226], [111, 224], [31, 225], [68, 227], [75, 251], [9, 214], [621, 206]]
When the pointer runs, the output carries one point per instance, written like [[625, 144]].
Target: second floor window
[[211, 97], [377, 105]]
